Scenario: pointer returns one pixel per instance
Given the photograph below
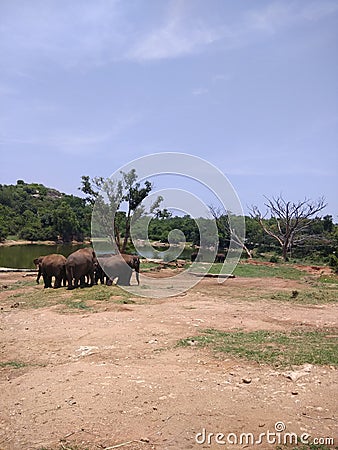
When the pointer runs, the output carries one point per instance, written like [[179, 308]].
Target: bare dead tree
[[226, 224], [289, 219]]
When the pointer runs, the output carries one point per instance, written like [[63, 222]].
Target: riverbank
[[10, 242]]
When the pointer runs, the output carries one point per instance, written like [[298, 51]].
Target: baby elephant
[[51, 266]]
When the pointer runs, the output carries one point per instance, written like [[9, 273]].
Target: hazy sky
[[251, 86]]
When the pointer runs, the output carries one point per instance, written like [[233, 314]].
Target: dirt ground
[[114, 378]]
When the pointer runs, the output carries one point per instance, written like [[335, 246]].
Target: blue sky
[[251, 86]]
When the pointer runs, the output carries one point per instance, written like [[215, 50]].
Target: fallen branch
[[212, 275]]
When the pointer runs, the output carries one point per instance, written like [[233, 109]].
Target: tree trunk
[[285, 251], [247, 251], [126, 235]]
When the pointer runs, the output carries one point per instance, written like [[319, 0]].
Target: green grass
[[76, 304], [318, 296], [275, 271], [261, 271], [99, 293], [13, 364], [75, 300], [20, 284], [37, 298], [278, 349], [329, 279]]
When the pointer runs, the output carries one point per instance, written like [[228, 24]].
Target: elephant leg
[[47, 280], [124, 279], [39, 275], [91, 278], [57, 283]]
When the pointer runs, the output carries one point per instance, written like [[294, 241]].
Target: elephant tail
[[137, 270], [69, 275]]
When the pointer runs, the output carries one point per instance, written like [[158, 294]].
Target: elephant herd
[[82, 266]]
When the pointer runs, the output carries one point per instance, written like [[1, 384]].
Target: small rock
[[246, 380], [294, 393]]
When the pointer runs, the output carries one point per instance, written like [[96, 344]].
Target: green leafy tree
[[66, 223], [109, 196]]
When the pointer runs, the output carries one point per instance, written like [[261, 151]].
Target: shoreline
[[10, 242]]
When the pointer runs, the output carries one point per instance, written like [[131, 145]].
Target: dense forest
[[34, 212]]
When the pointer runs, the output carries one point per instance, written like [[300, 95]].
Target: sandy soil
[[113, 377]]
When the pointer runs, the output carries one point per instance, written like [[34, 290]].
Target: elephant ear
[[38, 261]]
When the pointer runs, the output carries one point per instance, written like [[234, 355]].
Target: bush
[[333, 261]]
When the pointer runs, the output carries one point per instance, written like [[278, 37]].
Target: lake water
[[22, 256]]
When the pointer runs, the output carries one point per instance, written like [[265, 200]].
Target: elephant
[[37, 262], [99, 273], [220, 258], [51, 266], [193, 256], [79, 265], [116, 267], [133, 261]]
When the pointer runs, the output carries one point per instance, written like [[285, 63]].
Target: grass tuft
[[13, 364], [307, 297]]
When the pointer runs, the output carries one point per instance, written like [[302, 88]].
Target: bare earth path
[[116, 376]]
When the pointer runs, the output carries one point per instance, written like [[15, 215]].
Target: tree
[[107, 196], [134, 197], [66, 223], [288, 220], [229, 227]]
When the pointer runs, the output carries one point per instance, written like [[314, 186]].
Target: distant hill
[[34, 212]]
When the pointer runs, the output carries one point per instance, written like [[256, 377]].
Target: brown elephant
[[220, 258], [79, 265], [115, 267], [133, 261], [51, 266], [193, 256]]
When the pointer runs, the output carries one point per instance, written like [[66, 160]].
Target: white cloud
[[89, 34], [200, 91], [174, 39], [181, 35]]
